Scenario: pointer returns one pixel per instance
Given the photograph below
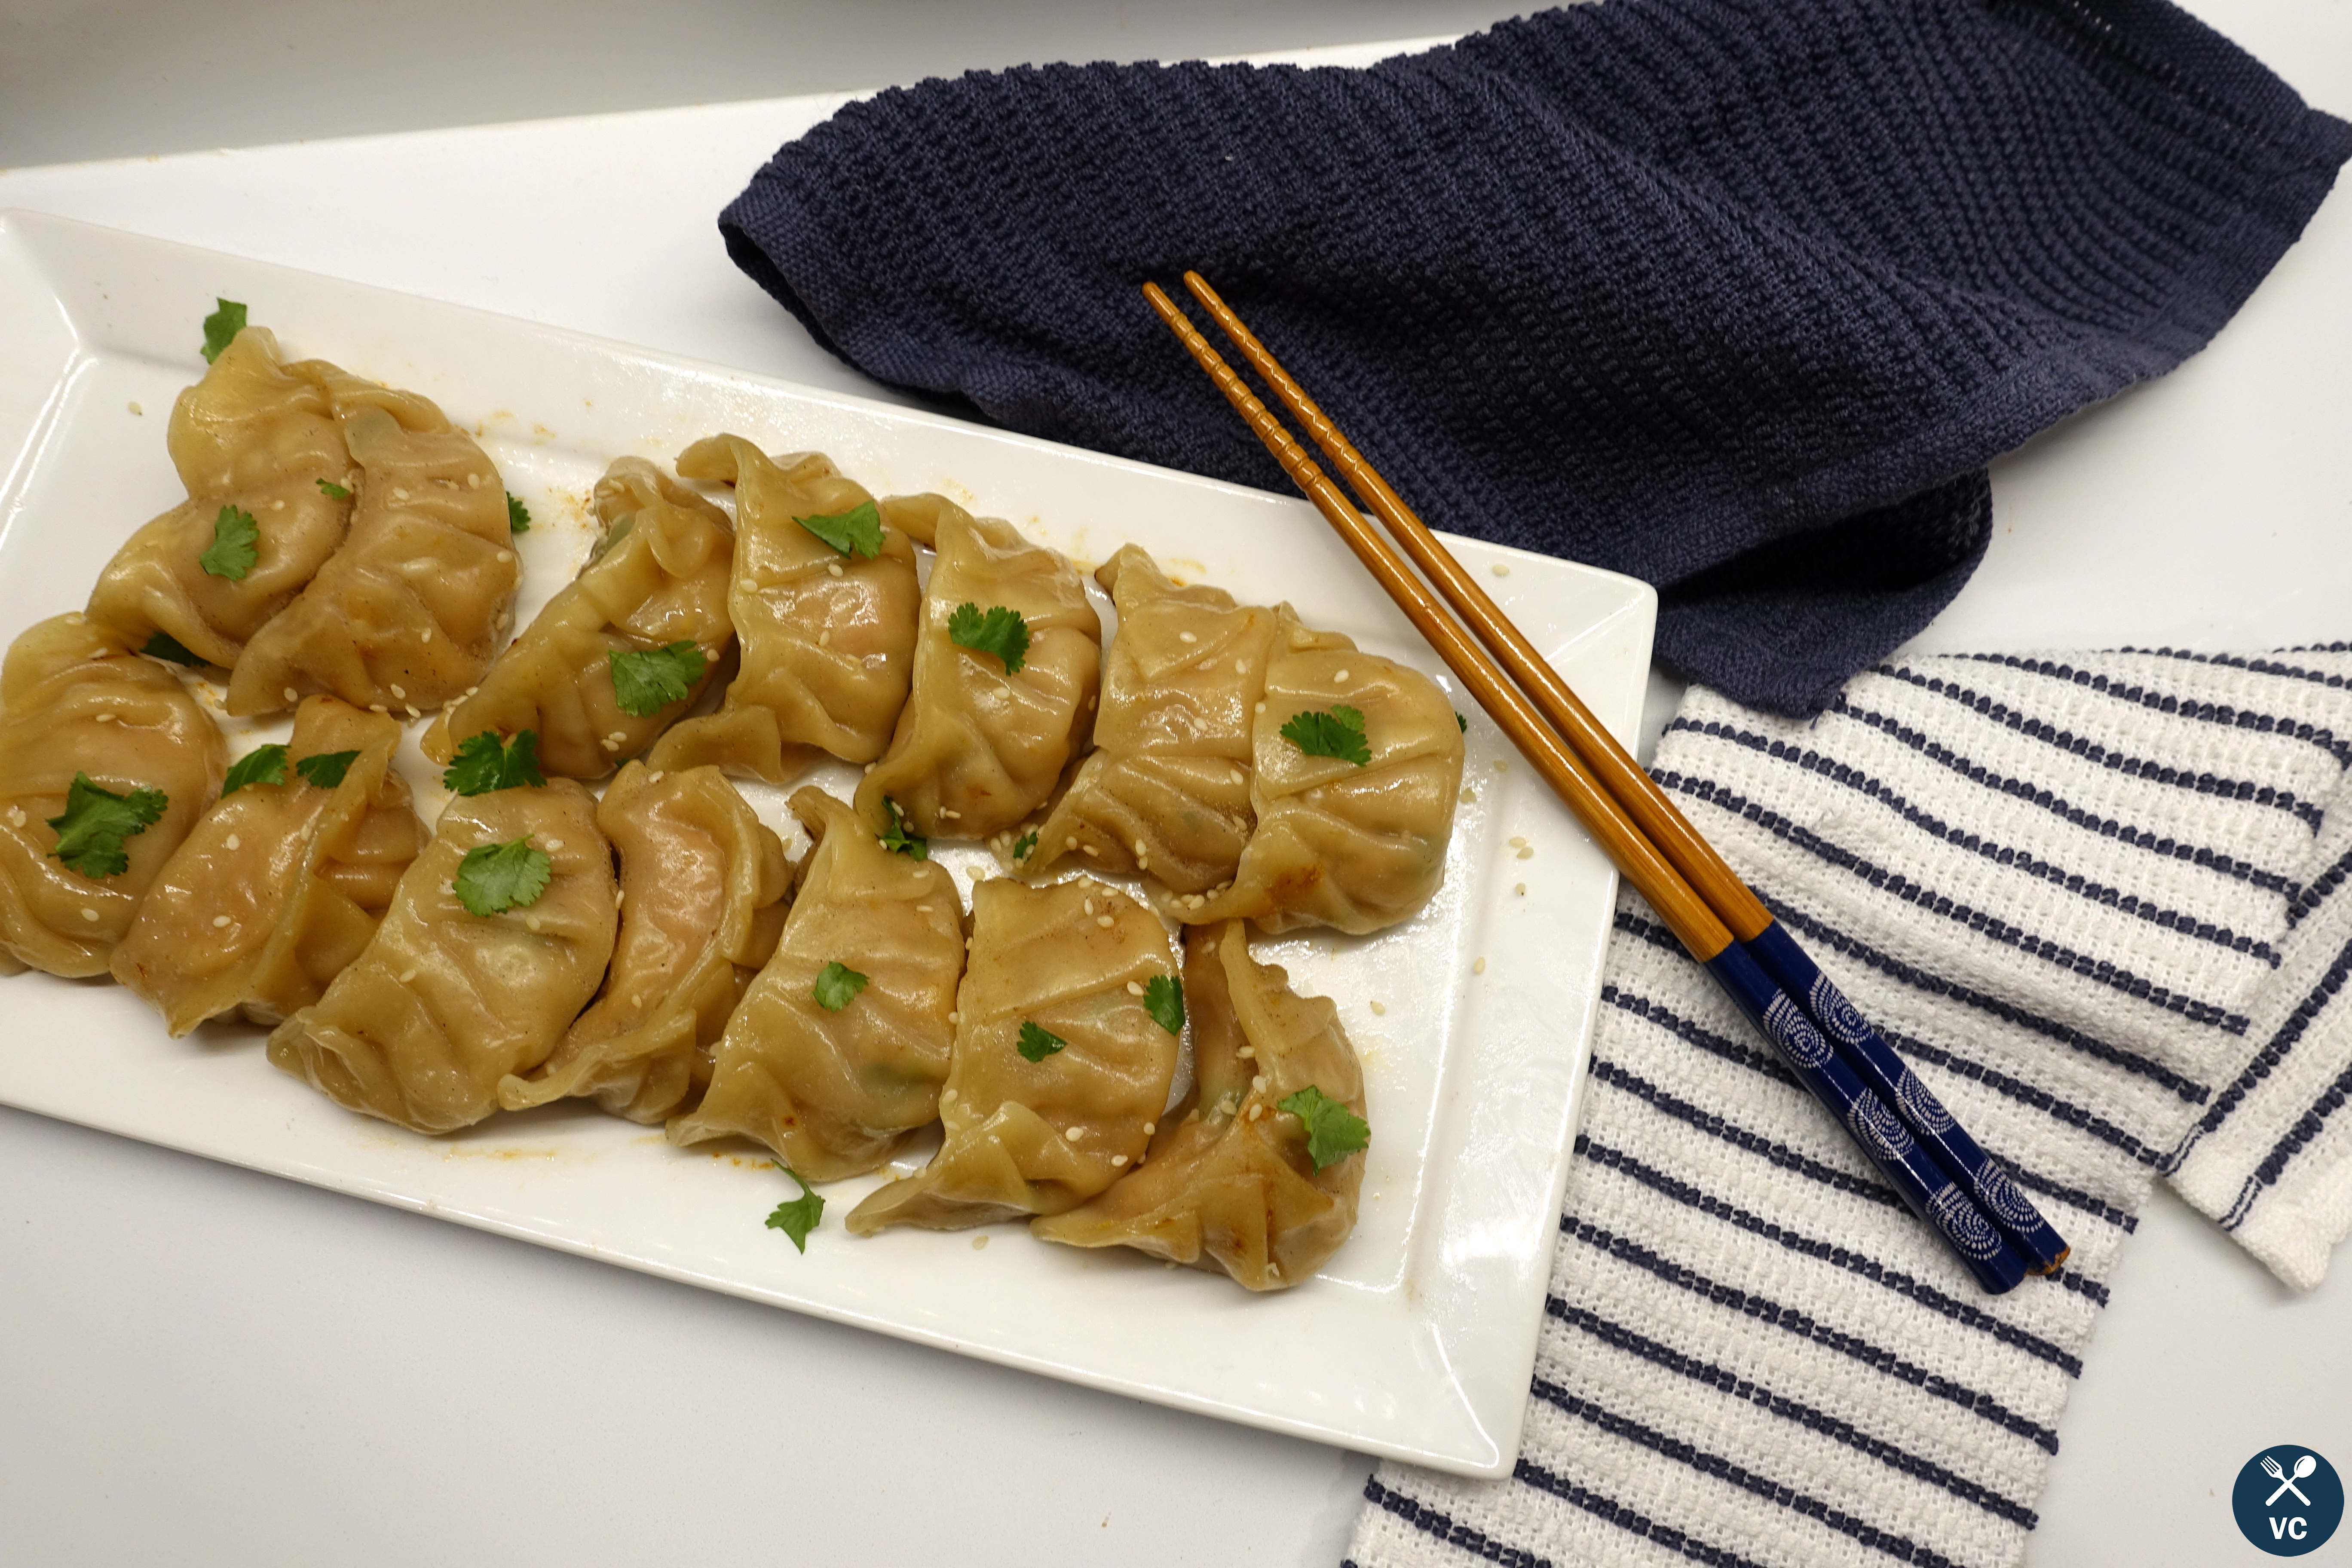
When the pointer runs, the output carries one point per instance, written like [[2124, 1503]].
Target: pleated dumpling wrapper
[[703, 886], [444, 1003], [1358, 845], [1232, 1182], [823, 604], [280, 886], [624, 649], [1166, 790], [831, 1073], [258, 448], [407, 612], [989, 728], [1060, 1073], [106, 762]]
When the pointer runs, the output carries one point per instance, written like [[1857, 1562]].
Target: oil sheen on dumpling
[[978, 749], [659, 577], [74, 699], [1038, 1137], [702, 890], [405, 616], [1338, 844], [827, 638], [1165, 789], [281, 885], [258, 435], [836, 1091], [444, 1003], [1229, 1184]]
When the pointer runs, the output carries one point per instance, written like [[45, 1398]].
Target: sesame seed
[[1257, 1084], [1502, 764], [978, 1243], [1090, 905], [136, 409], [922, 909], [1478, 966], [1380, 1009], [1073, 1133], [948, 815], [1246, 1052], [1469, 796], [1090, 849], [292, 695], [220, 922], [1118, 1160], [1502, 569], [378, 708], [1527, 853], [658, 775], [953, 1019], [1240, 777], [234, 842], [618, 735], [412, 711], [90, 915], [428, 638], [825, 637], [1186, 636], [505, 555], [408, 975], [1134, 988], [1103, 920], [1143, 862], [1255, 1112], [833, 568], [531, 921], [1341, 677], [17, 817], [554, 845], [1519, 843], [105, 717], [1070, 843], [1150, 1128], [401, 692], [1140, 848], [1259, 709], [946, 1096], [277, 505], [618, 896], [473, 481], [610, 744], [1520, 889], [399, 494]]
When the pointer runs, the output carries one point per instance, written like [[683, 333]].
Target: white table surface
[[199, 1364]]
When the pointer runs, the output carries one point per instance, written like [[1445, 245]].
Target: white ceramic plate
[[1417, 1341]]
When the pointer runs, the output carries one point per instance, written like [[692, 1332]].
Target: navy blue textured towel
[[1738, 296]]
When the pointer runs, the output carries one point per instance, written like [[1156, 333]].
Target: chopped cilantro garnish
[[1464, 724], [263, 765], [518, 515], [644, 683], [483, 764], [859, 529], [837, 985], [1035, 1044], [1163, 998], [235, 547], [96, 822], [1001, 631], [222, 327], [1023, 845], [333, 490], [495, 878], [164, 644], [326, 769], [1339, 733], [797, 1216], [897, 839], [1333, 1131]]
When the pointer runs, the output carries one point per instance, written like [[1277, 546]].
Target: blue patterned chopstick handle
[[1985, 1179], [1908, 1166]]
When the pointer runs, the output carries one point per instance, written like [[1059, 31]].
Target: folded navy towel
[[1737, 295]]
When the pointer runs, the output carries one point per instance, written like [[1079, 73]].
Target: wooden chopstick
[[1924, 1179]]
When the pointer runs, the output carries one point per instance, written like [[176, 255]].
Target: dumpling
[[658, 578], [1358, 847], [77, 704], [1230, 1183], [259, 908], [444, 1003], [1166, 790], [835, 1091], [980, 746], [703, 901], [1059, 975], [259, 436], [405, 616], [826, 636]]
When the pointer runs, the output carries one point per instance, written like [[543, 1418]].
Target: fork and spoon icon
[[2303, 1469]]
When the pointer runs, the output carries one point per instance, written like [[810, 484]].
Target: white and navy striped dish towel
[[2100, 903]]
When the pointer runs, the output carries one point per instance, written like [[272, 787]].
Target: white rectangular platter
[[1416, 1342]]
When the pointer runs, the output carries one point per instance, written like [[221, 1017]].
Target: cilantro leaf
[[326, 769], [495, 878], [1163, 998], [1035, 1044], [1333, 1131], [97, 821], [1023, 845], [837, 985], [235, 547], [859, 529], [644, 683], [1001, 631], [164, 646], [483, 764], [333, 490], [222, 327], [263, 765], [518, 515], [1460, 721], [797, 1216], [1339, 733], [897, 839]]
